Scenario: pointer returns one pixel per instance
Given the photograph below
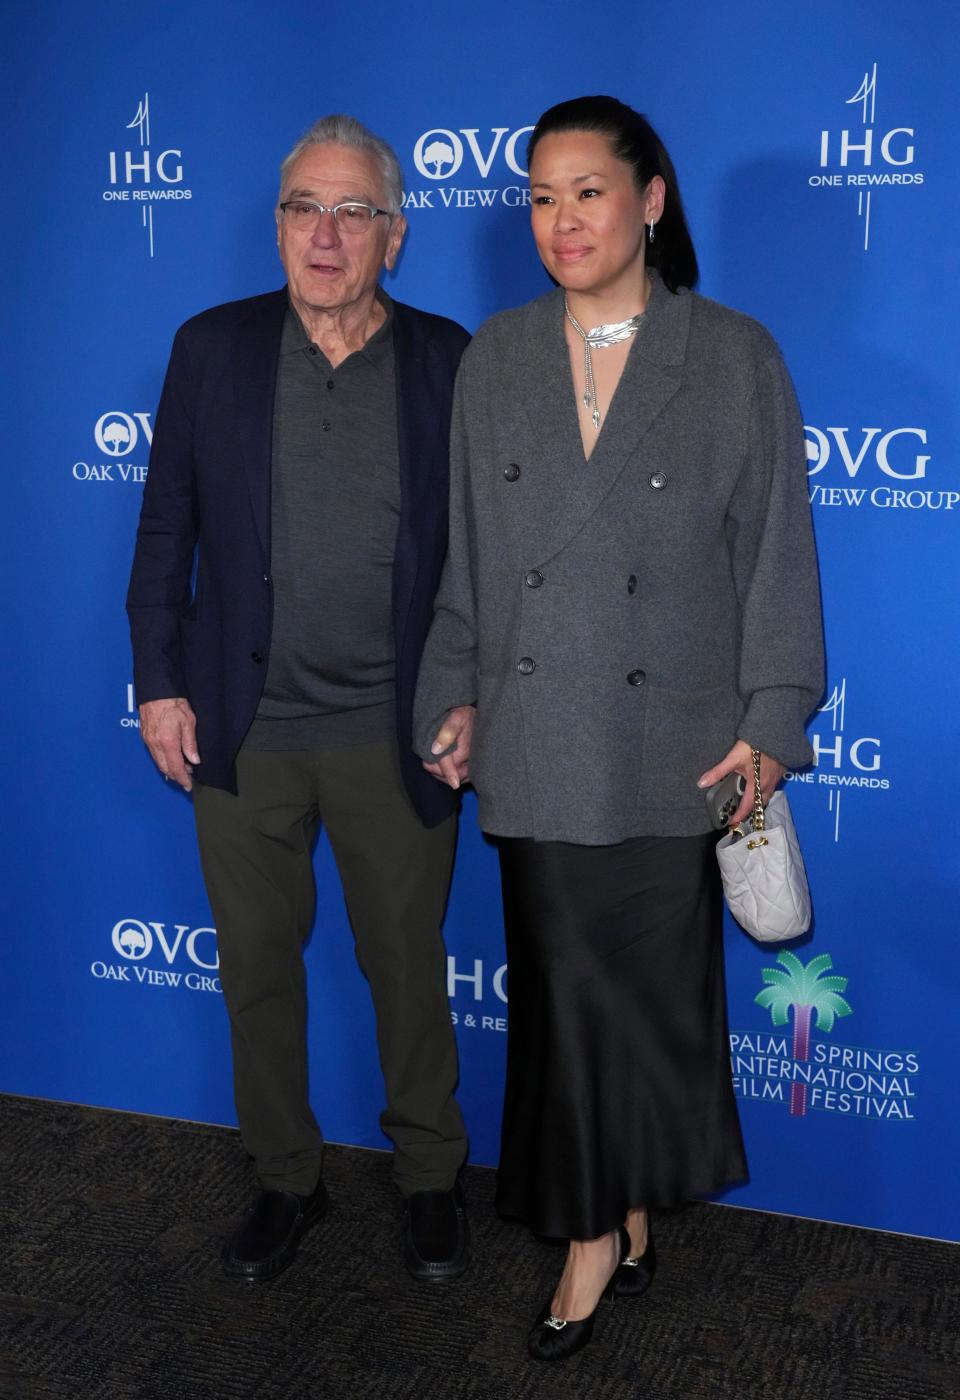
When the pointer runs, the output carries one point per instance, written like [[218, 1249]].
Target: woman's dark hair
[[634, 141]]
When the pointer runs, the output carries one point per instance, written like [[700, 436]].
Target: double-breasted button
[[257, 657], [636, 677], [658, 481], [526, 665], [632, 584], [511, 472], [533, 579]]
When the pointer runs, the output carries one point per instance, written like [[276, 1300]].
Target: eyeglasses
[[351, 217]]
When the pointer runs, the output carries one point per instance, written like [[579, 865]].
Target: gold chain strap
[[757, 795], [760, 840]]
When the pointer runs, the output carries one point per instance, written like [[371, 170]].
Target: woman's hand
[[740, 760], [457, 729]]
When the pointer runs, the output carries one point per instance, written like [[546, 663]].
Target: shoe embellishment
[[557, 1323]]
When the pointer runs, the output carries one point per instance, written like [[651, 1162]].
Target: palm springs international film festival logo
[[140, 177], [118, 435], [867, 157], [805, 1074], [455, 161], [842, 762], [158, 955]]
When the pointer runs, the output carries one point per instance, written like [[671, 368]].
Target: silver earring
[[651, 230]]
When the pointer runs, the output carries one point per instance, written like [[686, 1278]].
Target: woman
[[629, 604]]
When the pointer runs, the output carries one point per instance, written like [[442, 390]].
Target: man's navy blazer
[[201, 598]]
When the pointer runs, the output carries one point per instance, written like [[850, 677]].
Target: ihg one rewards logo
[[165, 957], [478, 997], [869, 156], [143, 177], [789, 1066]]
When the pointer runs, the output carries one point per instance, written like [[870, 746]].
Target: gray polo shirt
[[335, 508]]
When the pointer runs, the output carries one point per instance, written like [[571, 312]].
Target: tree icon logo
[[809, 993], [115, 433], [438, 154], [132, 939], [117, 437]]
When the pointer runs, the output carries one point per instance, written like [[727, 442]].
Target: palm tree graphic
[[807, 991]]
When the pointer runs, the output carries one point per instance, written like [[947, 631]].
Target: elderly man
[[299, 465]]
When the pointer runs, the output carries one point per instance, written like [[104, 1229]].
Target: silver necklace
[[598, 339]]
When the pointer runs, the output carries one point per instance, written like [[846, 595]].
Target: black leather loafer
[[266, 1238], [435, 1234]]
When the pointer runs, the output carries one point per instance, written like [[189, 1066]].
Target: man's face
[[329, 269]]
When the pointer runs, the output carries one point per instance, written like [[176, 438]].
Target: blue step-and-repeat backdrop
[[817, 153]]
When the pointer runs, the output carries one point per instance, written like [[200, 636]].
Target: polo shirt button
[[632, 584], [526, 665], [658, 481], [512, 472], [325, 425], [330, 383], [636, 677], [534, 578], [312, 349]]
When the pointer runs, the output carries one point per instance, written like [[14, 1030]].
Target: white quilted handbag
[[764, 881]]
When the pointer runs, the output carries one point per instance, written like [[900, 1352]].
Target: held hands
[[456, 730], [169, 730], [740, 760]]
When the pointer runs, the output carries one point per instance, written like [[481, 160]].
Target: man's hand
[[169, 730], [740, 760], [457, 729]]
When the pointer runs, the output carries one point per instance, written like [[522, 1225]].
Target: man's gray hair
[[347, 131]]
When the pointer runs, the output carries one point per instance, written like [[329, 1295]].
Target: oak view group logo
[[810, 1075], [118, 435], [882, 468], [472, 154], [154, 954]]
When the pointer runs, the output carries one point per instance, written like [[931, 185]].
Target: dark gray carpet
[[111, 1290]]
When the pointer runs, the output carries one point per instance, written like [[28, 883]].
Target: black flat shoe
[[634, 1276], [266, 1238], [435, 1235], [554, 1339]]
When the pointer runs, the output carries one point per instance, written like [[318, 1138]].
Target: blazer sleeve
[[159, 593], [774, 564], [448, 669]]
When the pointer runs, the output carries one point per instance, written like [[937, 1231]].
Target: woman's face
[[587, 214]]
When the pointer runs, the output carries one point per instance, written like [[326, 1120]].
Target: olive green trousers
[[256, 850]]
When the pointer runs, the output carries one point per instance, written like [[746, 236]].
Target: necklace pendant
[[587, 400], [595, 415]]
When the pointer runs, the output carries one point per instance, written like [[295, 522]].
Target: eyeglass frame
[[321, 209]]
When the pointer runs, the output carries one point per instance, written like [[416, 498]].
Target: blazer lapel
[[256, 357], [420, 443], [651, 377]]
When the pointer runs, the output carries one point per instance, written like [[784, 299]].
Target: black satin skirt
[[618, 1091]]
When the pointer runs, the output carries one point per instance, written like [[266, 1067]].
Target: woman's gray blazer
[[620, 622]]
